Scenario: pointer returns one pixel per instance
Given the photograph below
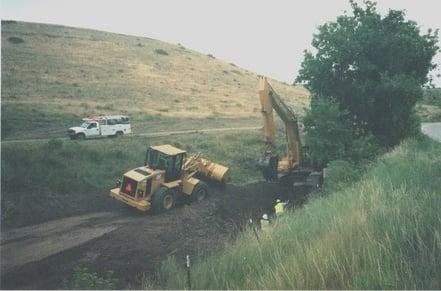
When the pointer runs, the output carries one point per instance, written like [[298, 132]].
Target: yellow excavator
[[167, 176], [292, 167]]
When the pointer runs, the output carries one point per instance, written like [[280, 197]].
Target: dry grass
[[429, 113], [71, 67]]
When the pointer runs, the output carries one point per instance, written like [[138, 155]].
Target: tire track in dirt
[[33, 243]]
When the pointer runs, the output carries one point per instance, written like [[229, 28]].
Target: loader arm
[[196, 165], [269, 100]]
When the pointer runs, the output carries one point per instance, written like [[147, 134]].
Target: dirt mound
[[143, 241]]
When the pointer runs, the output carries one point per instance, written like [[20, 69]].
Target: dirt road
[[129, 242], [151, 134], [36, 242]]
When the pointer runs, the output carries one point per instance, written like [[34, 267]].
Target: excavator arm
[[270, 164]]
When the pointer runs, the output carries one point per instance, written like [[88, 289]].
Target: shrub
[[328, 134], [236, 72], [340, 173], [83, 278], [432, 96], [15, 40], [107, 106], [364, 148], [161, 52]]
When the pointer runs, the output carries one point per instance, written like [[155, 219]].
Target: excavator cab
[[167, 158], [268, 165]]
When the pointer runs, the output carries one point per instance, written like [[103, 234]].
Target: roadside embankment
[[382, 232]]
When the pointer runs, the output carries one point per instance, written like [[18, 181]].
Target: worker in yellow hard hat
[[265, 222], [279, 208]]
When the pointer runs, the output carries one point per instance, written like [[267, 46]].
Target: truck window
[[92, 125]]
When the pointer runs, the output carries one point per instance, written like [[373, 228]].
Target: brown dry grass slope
[[48, 69]]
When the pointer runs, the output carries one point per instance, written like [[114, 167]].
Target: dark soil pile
[[140, 245]]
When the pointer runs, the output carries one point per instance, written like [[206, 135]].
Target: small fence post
[[254, 230], [188, 272]]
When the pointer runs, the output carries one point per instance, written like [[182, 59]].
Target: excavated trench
[[131, 243]]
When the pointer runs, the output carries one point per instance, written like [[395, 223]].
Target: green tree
[[374, 67], [330, 135]]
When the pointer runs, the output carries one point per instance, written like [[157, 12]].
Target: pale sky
[[264, 36]]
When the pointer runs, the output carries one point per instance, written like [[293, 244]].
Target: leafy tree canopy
[[374, 67]]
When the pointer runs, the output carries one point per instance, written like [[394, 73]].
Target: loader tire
[[164, 200], [200, 191]]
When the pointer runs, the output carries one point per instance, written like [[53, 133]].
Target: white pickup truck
[[101, 126]]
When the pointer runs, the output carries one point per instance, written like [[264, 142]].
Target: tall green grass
[[45, 180], [383, 232]]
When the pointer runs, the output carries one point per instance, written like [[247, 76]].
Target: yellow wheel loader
[[167, 175]]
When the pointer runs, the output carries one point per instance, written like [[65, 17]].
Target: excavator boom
[[270, 164]]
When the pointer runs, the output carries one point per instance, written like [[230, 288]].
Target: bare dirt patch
[[134, 243]]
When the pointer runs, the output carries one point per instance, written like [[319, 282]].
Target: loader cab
[[167, 158]]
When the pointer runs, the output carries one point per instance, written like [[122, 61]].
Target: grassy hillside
[[54, 75], [383, 232]]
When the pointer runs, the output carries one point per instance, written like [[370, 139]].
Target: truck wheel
[[80, 136], [164, 199], [200, 191], [119, 134]]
